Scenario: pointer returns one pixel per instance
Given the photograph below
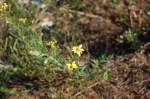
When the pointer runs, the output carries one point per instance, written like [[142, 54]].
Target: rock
[[26, 2]]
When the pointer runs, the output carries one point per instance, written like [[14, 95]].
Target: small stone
[[47, 24]]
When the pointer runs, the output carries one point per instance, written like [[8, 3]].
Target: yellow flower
[[23, 20], [72, 66], [78, 50], [52, 43], [45, 61], [3, 7], [1, 10]]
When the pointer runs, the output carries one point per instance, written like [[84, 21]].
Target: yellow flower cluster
[[3, 7], [78, 50], [52, 43], [23, 20]]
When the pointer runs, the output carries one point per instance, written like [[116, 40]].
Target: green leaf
[[107, 73]]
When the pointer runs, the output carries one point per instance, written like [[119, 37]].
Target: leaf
[[95, 62], [107, 73], [37, 54]]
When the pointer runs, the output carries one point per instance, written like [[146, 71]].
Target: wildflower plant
[[73, 63], [33, 55]]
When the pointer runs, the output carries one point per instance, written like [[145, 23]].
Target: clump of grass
[[131, 36]]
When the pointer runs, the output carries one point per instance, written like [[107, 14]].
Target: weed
[[131, 36]]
